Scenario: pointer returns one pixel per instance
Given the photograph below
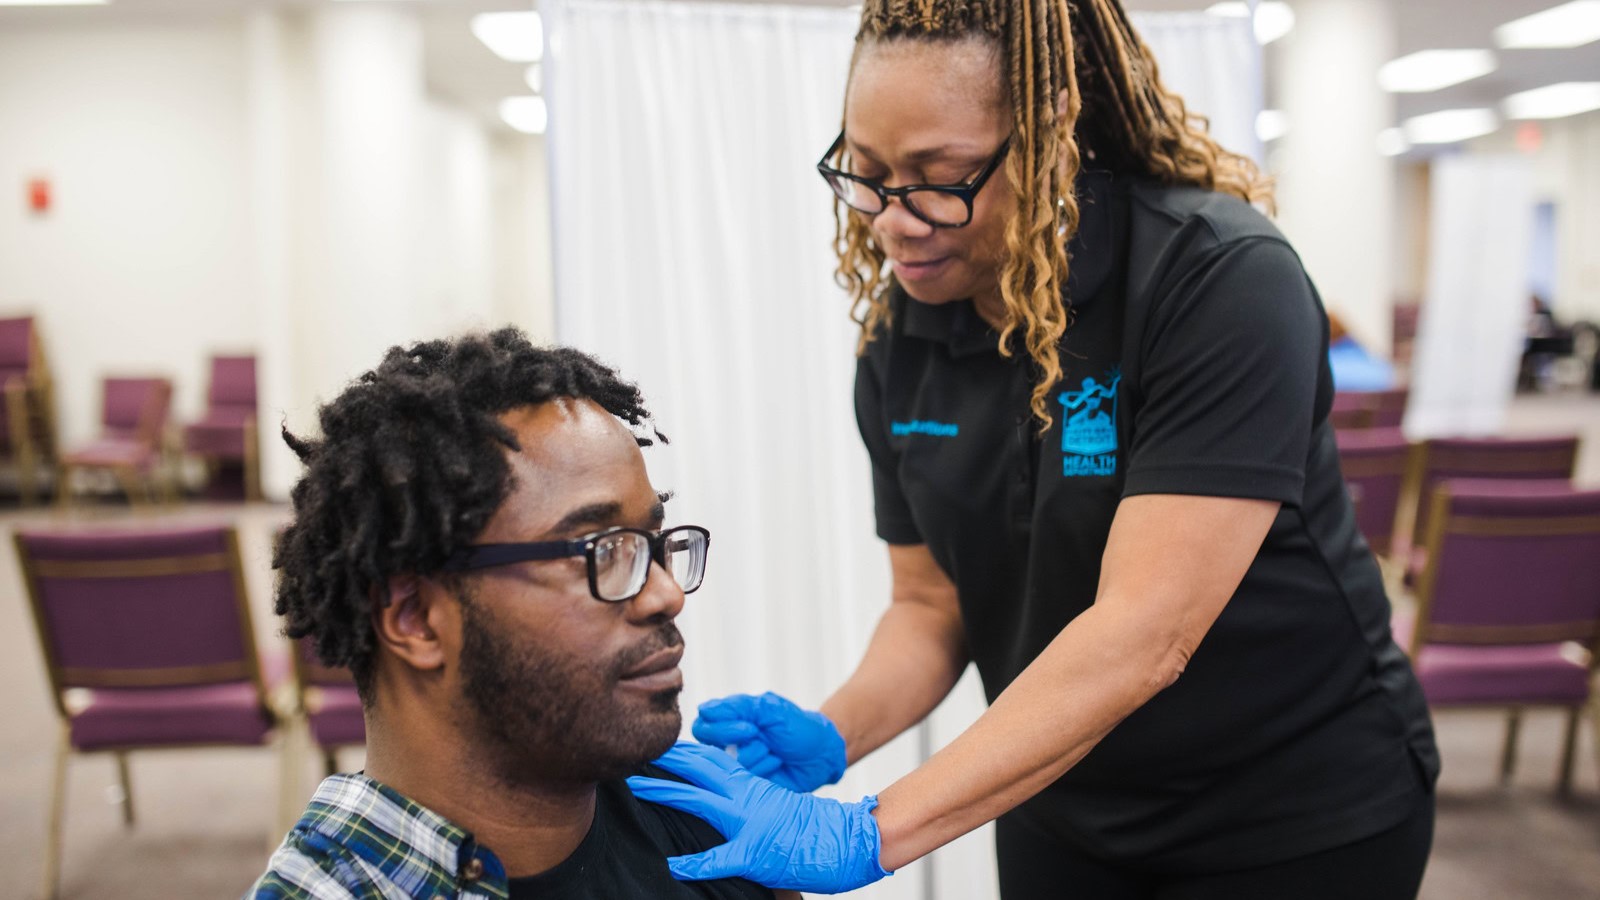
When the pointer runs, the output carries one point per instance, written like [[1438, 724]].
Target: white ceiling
[[462, 70]]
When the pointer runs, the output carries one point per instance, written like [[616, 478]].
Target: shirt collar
[[420, 851], [1092, 253]]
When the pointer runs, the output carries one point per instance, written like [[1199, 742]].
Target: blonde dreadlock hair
[[1117, 110]]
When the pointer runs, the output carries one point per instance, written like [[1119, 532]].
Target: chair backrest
[[16, 344], [137, 407], [1511, 562], [139, 609], [1540, 459], [1374, 462], [1351, 409], [1389, 407], [233, 383]]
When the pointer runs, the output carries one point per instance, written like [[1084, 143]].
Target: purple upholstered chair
[[331, 705], [132, 437], [1541, 459], [1374, 464], [1389, 407], [27, 422], [1351, 409], [226, 434], [1509, 604], [147, 639]]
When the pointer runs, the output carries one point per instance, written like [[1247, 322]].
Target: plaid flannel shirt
[[362, 840]]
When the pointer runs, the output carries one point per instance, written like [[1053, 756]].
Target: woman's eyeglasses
[[940, 205]]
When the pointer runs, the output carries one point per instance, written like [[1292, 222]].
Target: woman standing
[[1094, 392]]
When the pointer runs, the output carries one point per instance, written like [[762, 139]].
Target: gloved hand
[[779, 741], [776, 837]]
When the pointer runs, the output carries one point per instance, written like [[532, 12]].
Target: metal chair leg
[[1508, 756], [53, 825], [127, 789]]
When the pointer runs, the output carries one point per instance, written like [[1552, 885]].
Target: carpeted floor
[[205, 817]]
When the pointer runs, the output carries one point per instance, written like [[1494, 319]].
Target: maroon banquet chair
[[1374, 462], [1389, 407], [132, 438], [1508, 611], [1351, 410], [330, 703], [226, 436], [1542, 459], [147, 640], [27, 423]]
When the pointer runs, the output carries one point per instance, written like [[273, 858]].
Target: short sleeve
[[1228, 383], [895, 524]]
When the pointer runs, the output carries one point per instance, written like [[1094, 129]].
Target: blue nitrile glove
[[779, 741], [776, 837]]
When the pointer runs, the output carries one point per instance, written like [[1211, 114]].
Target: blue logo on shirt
[[1089, 433], [931, 429]]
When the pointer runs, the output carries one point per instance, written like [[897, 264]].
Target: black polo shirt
[[1196, 363]]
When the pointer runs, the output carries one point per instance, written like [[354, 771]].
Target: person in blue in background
[[1182, 637], [1355, 369]]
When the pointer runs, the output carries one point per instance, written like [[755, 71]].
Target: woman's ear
[[408, 621]]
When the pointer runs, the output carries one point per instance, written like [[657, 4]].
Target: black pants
[[1386, 866]]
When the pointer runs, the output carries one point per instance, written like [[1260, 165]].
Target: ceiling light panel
[[1568, 25], [1451, 126], [1274, 19], [1556, 101], [513, 36], [526, 114], [1432, 70]]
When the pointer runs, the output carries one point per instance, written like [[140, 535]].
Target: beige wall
[[274, 181]]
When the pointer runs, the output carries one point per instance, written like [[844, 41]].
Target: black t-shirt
[[624, 856], [1196, 364]]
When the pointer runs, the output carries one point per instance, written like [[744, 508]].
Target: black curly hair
[[410, 467]]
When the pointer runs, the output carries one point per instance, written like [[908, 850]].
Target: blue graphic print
[[931, 429], [1089, 429]]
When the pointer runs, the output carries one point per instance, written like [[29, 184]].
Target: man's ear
[[415, 621]]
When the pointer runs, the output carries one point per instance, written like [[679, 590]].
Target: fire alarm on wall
[[39, 195]]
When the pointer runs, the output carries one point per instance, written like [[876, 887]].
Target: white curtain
[[1215, 64], [1476, 310], [693, 250]]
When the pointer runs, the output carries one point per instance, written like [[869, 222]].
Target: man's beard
[[559, 717]]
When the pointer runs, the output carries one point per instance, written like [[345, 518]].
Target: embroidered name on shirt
[[931, 429], [1089, 430]]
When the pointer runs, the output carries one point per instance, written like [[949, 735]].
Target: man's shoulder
[[360, 839], [302, 870]]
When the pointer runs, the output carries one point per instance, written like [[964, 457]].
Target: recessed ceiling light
[[513, 36], [1451, 126], [1568, 25], [1432, 70], [1271, 124], [1392, 142], [54, 2], [1274, 19], [1556, 101], [526, 114]]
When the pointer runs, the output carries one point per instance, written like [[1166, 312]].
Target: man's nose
[[662, 597]]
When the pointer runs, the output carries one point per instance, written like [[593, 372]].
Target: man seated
[[476, 538]]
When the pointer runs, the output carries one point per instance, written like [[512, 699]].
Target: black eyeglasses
[[940, 205], [618, 558]]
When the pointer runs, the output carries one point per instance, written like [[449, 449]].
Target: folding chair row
[[148, 643]]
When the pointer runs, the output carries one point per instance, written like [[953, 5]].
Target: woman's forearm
[[1171, 564], [916, 655], [1085, 682]]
